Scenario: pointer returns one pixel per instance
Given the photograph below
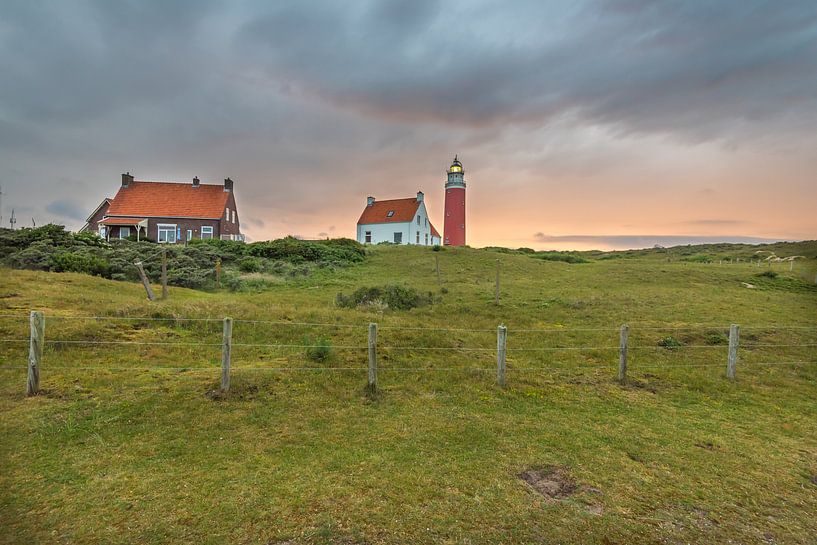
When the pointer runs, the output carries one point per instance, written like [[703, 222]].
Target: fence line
[[37, 341]]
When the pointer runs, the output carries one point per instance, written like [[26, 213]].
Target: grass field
[[128, 444]]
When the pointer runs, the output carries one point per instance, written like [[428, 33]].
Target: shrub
[[767, 274], [565, 257], [78, 262], [319, 350], [436, 248], [670, 343], [250, 264], [392, 296]]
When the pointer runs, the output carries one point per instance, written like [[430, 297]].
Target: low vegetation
[[52, 248], [132, 443]]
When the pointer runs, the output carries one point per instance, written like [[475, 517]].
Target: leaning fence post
[[501, 346], [35, 352], [372, 356], [226, 352], [145, 280], [622, 353], [734, 338]]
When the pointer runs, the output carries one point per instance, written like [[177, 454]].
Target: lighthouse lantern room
[[454, 224]]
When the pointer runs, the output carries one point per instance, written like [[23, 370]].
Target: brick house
[[167, 212]]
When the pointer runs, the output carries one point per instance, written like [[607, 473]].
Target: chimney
[[228, 185], [369, 201], [127, 179], [419, 196], [195, 181]]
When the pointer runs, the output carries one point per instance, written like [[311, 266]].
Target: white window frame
[[227, 213], [121, 227], [426, 239], [189, 235], [418, 237], [367, 237], [209, 230], [233, 216], [102, 230], [398, 235], [166, 228]]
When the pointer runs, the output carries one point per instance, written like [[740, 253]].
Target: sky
[[580, 124]]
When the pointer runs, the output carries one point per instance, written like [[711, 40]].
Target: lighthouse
[[454, 225]]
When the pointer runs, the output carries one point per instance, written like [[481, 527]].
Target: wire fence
[[639, 347]]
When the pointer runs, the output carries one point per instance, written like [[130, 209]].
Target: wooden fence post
[[164, 273], [226, 352], [437, 268], [145, 280], [622, 353], [35, 352], [501, 347], [496, 289], [372, 357], [218, 272], [734, 339]]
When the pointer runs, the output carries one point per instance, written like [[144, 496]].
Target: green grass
[[129, 452]]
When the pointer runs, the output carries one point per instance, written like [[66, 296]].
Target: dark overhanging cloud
[[698, 70], [304, 102]]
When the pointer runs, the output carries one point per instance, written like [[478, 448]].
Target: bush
[[767, 274], [78, 262], [565, 257], [670, 343], [250, 264], [393, 297], [319, 350], [436, 248]]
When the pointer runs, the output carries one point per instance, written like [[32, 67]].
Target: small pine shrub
[[319, 350], [393, 297], [767, 274], [670, 343], [250, 264]]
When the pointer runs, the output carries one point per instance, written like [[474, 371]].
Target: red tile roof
[[434, 232], [404, 210], [169, 199]]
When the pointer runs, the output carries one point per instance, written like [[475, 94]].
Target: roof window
[[390, 213]]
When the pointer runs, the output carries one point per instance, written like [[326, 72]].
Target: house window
[[368, 238], [189, 235], [426, 222], [233, 216], [418, 219], [207, 231], [166, 234], [102, 231], [390, 213], [227, 214], [426, 239], [124, 232], [398, 238], [418, 236]]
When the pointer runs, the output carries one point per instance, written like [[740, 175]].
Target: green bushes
[[297, 251], [52, 248], [250, 264], [319, 350], [566, 257], [390, 296]]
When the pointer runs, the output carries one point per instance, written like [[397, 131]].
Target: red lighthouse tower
[[454, 226]]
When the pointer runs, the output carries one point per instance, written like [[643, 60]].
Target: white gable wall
[[384, 232]]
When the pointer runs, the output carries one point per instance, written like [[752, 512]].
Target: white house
[[400, 221]]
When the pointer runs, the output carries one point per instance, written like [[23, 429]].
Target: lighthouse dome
[[456, 166]]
